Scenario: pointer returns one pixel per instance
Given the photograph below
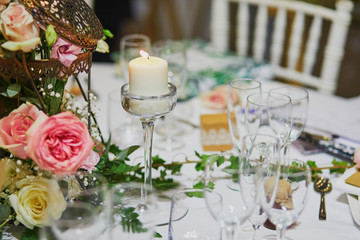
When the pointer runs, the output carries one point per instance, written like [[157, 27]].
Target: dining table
[[329, 113]]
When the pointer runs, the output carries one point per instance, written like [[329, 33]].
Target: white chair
[[305, 21]]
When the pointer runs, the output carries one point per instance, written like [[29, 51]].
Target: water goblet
[[284, 192], [300, 102], [84, 202], [174, 52], [259, 150], [231, 182], [239, 90], [188, 211], [130, 46], [134, 209], [147, 109], [269, 113]]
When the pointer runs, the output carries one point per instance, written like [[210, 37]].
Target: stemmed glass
[[234, 184], [133, 212], [269, 113], [130, 46], [289, 186], [239, 90], [300, 102], [83, 202], [148, 109], [259, 150], [174, 52]]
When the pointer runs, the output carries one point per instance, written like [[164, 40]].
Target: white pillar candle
[[148, 76]]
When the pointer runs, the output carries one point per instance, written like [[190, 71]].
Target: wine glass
[[259, 150], [300, 102], [269, 113], [174, 52], [83, 204], [289, 186], [231, 182], [239, 90], [130, 46], [134, 209], [188, 211]]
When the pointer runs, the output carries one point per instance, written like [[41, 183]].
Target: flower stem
[[91, 112], [23, 65]]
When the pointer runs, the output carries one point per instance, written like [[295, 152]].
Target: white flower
[[102, 47], [31, 203]]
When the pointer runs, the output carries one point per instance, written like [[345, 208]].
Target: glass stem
[[280, 232], [148, 126], [230, 232], [256, 231]]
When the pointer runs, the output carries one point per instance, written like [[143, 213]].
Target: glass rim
[[172, 93], [268, 93], [232, 83], [134, 37], [299, 89]]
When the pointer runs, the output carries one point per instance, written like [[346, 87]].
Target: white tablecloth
[[326, 112]]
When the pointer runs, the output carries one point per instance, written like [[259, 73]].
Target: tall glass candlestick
[[148, 109]]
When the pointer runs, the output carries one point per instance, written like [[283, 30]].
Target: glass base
[[169, 144]]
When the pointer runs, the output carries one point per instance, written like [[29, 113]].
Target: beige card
[[2, 172], [354, 179]]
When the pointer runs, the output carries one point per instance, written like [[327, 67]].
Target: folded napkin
[[346, 187]]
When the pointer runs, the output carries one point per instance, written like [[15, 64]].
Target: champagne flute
[[130, 46], [289, 186], [231, 182], [239, 90], [269, 113], [259, 150], [300, 102], [174, 52]]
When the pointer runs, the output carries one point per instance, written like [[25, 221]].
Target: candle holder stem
[[148, 126]]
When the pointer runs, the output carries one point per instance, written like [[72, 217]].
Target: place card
[[215, 134], [3, 163], [354, 179]]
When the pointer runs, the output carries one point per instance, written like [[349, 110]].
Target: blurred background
[[189, 19]]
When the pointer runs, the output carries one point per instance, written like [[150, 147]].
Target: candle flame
[[144, 54]]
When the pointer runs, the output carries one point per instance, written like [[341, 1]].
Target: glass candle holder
[[148, 109]]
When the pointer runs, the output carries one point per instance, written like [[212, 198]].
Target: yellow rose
[[31, 201]]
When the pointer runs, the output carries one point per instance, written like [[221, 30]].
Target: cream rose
[[33, 198], [19, 28]]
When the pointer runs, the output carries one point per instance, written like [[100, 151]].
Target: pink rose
[[65, 52], [60, 143], [217, 98], [14, 127], [357, 157], [91, 161], [19, 28]]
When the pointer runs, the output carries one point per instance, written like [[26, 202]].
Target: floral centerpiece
[[41, 133]]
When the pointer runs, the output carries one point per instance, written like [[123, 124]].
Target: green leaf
[[157, 235], [127, 151], [340, 164], [13, 90], [30, 234], [5, 212]]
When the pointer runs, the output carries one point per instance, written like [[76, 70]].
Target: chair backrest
[[287, 33]]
